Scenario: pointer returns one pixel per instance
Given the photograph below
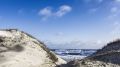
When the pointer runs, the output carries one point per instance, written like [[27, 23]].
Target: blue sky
[[64, 21]]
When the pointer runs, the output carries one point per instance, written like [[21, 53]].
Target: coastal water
[[73, 54]]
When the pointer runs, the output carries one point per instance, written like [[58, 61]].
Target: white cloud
[[117, 0], [114, 12], [116, 23], [76, 44], [114, 9], [47, 12], [63, 10]]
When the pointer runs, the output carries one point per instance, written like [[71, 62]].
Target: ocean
[[73, 54]]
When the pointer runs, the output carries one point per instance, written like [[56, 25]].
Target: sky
[[64, 23]]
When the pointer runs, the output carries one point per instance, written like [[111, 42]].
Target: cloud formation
[[47, 12], [63, 10], [75, 45], [114, 12], [114, 9], [117, 0]]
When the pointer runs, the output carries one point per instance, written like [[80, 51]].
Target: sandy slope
[[19, 49]]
